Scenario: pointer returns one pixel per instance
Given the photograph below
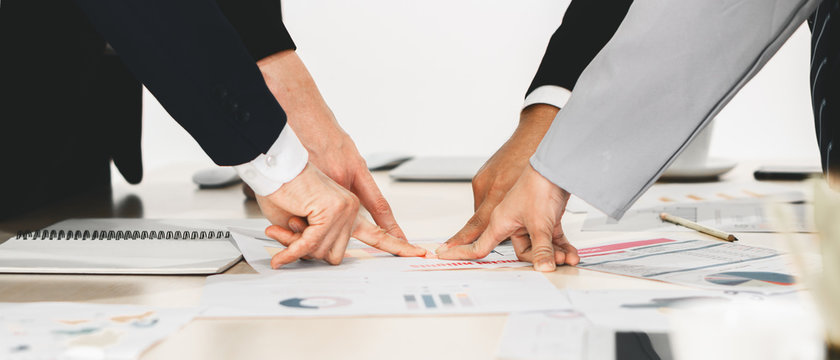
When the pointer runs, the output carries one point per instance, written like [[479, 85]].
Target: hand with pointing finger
[[530, 216], [322, 216], [330, 149], [497, 176]]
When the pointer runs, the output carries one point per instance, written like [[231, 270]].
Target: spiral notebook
[[121, 246]]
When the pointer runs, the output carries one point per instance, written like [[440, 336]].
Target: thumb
[[542, 249], [300, 245]]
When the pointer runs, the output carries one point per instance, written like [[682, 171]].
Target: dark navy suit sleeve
[[259, 24], [193, 61], [587, 26]]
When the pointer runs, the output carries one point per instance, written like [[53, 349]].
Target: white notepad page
[[200, 253]]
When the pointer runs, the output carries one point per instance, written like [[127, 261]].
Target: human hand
[[530, 215], [314, 218], [501, 171], [330, 148]]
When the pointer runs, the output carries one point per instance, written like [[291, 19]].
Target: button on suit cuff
[[548, 94], [280, 164]]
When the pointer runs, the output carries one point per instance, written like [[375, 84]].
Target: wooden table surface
[[424, 210]]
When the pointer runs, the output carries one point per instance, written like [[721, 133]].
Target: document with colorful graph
[[84, 331], [708, 264], [696, 193], [334, 293], [359, 257], [730, 207], [736, 216]]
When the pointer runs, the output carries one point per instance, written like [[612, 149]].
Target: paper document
[[709, 264], [258, 250], [695, 193], [556, 335], [84, 331], [400, 293], [736, 216], [647, 310]]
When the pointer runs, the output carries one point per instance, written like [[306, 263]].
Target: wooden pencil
[[695, 226]]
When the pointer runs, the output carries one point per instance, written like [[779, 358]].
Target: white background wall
[[441, 77]]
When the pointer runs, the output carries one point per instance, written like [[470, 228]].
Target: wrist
[[538, 115], [291, 84], [534, 122]]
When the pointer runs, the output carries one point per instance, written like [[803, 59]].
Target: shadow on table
[[97, 203]]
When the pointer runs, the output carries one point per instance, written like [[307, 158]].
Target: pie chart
[[736, 278], [315, 302]]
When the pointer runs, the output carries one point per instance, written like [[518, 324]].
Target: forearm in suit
[[587, 25], [191, 58], [259, 24], [668, 70]]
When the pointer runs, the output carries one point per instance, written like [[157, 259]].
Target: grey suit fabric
[[669, 69]]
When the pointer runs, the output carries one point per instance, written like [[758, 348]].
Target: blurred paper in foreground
[[826, 287]]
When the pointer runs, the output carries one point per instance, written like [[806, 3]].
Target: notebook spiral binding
[[120, 235]]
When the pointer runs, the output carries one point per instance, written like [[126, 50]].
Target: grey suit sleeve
[[669, 69]]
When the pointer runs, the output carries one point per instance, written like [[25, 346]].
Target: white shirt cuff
[[280, 164], [548, 94]]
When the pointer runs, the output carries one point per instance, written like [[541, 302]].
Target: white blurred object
[[217, 177], [439, 168], [694, 162], [773, 330], [385, 160], [826, 285]]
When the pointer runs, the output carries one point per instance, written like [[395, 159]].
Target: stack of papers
[[706, 264], [556, 335], [359, 257], [729, 207], [84, 331], [400, 293]]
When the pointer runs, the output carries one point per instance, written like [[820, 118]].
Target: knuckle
[[479, 182], [335, 202], [476, 251], [497, 191], [373, 238], [353, 205], [476, 222], [542, 251], [319, 254], [348, 202], [380, 206], [308, 245]]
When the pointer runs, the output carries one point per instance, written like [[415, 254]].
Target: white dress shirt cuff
[[548, 94], [280, 164]]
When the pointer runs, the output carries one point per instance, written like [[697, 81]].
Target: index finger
[[377, 237], [473, 228], [499, 229], [375, 203]]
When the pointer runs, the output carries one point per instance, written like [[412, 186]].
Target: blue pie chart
[[315, 302], [735, 278]]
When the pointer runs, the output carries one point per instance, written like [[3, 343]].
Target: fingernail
[[544, 266]]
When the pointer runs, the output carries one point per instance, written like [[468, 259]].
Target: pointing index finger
[[377, 237], [372, 199], [499, 229]]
